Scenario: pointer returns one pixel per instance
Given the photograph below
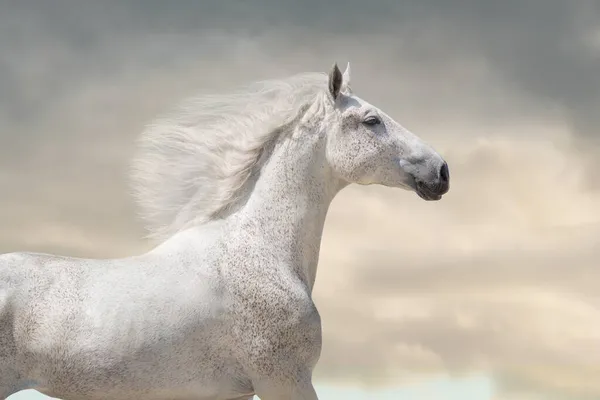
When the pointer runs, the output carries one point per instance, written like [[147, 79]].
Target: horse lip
[[426, 194]]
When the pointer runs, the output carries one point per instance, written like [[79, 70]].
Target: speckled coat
[[222, 308]]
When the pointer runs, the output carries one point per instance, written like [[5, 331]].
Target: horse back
[[26, 282], [26, 276], [21, 282]]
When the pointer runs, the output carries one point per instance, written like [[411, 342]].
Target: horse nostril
[[444, 173]]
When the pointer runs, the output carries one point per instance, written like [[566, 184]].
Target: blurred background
[[491, 293]]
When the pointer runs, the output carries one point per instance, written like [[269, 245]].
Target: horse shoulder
[[280, 330]]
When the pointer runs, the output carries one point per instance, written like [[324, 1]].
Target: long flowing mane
[[192, 164]]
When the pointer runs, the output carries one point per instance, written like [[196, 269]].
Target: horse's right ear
[[335, 81]]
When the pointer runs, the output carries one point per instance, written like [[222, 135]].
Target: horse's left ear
[[346, 77], [335, 81]]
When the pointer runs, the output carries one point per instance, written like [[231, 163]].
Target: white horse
[[238, 187]]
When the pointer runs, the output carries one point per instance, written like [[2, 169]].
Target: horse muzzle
[[434, 190]]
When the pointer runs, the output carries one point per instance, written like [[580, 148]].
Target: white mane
[[192, 164]]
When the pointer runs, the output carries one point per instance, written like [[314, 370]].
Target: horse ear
[[346, 76], [335, 81]]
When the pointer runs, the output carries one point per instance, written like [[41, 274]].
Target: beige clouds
[[501, 276]]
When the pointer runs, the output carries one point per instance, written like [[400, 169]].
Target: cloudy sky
[[491, 293]]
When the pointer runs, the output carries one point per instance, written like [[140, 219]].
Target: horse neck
[[290, 200]]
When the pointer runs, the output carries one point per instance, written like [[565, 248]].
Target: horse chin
[[426, 194]]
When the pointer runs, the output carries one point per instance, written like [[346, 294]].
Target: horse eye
[[371, 121]]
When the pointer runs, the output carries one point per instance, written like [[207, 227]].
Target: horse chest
[[276, 325]]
